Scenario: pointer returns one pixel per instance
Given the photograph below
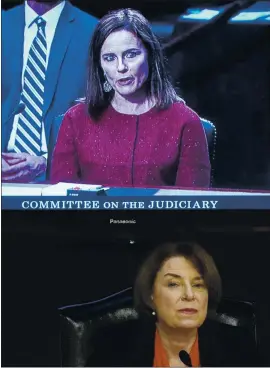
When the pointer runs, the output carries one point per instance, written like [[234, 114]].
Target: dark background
[[223, 73], [52, 259]]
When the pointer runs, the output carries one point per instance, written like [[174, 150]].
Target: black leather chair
[[78, 323]]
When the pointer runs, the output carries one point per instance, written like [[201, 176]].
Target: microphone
[[20, 108], [185, 358]]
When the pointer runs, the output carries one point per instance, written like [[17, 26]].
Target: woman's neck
[[174, 339], [42, 7], [136, 104]]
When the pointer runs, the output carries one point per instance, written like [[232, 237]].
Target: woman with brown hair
[[176, 294], [132, 129]]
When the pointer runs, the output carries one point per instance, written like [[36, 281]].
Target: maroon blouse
[[154, 149]]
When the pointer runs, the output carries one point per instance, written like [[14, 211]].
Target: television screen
[[149, 107]]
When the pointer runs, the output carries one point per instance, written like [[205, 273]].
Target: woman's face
[[180, 297], [124, 60]]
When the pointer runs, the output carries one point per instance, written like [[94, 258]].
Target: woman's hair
[[193, 252], [158, 84]]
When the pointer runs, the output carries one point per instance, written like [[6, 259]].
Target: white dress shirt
[[30, 32]]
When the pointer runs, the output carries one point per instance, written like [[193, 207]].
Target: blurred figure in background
[[132, 129], [44, 69]]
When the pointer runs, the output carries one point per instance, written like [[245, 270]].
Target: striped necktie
[[29, 129]]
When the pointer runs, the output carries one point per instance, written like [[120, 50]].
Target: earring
[[154, 313], [107, 87]]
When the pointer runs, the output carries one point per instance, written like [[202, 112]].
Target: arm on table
[[194, 169]]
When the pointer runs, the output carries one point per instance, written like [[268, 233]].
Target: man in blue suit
[[44, 71]]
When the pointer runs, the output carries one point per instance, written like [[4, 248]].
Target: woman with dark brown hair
[[132, 129], [176, 294]]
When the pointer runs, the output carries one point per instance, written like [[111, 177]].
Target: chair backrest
[[79, 322], [211, 136]]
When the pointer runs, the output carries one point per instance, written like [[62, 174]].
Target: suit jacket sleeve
[[194, 169], [65, 165]]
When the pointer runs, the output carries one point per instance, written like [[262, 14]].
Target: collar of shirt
[[51, 17]]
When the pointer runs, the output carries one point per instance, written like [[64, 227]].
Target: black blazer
[[131, 344]]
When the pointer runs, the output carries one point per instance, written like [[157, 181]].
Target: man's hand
[[22, 167]]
